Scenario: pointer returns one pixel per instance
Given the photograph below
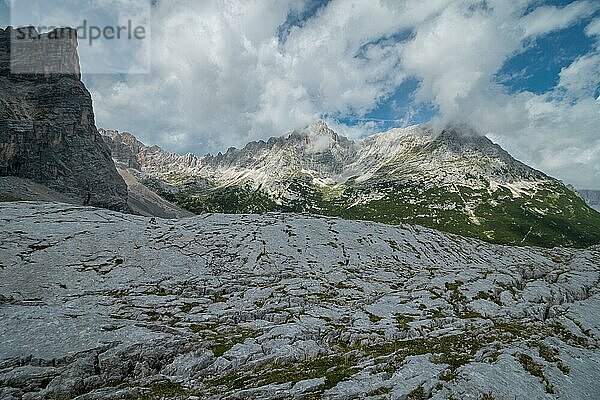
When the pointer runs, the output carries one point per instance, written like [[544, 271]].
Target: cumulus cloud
[[224, 74], [456, 54], [593, 29], [456, 57], [546, 19], [580, 79]]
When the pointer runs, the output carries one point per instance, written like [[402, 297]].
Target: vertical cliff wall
[[47, 127]]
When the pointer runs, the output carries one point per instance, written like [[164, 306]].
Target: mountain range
[[294, 303], [456, 181]]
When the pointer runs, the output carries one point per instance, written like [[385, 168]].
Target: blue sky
[[4, 14], [523, 72], [536, 70]]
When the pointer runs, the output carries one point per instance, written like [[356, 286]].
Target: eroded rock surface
[[100, 305]]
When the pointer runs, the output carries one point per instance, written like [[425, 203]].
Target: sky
[[526, 73]]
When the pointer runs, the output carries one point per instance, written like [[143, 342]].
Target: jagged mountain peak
[[315, 129], [591, 197], [126, 138], [456, 181], [460, 137], [314, 150], [318, 151], [470, 150], [316, 137], [461, 129]]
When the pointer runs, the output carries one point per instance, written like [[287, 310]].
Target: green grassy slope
[[554, 216]]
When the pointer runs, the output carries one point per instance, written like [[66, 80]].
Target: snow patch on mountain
[[415, 153]]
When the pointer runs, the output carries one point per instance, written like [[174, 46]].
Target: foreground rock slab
[[96, 304]]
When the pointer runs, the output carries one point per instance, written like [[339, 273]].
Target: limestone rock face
[[458, 181], [141, 199], [47, 128], [99, 305], [124, 147]]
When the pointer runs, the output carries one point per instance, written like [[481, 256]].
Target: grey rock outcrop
[[99, 305], [124, 147], [47, 128], [142, 200]]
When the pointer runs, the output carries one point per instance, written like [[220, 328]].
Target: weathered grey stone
[[47, 131], [228, 307]]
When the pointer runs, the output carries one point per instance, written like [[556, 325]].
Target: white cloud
[[222, 77], [456, 54], [581, 78], [549, 18], [593, 29], [456, 57]]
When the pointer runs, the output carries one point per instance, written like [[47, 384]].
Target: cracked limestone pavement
[[100, 305]]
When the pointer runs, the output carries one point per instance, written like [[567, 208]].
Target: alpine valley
[[456, 181], [97, 303]]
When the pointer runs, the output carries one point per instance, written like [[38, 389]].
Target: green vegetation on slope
[[552, 216], [226, 200], [8, 198]]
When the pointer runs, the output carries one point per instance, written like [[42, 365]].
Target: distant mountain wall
[[592, 197], [47, 127]]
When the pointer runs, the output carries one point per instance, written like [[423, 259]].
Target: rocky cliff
[[123, 146], [47, 128], [141, 199]]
